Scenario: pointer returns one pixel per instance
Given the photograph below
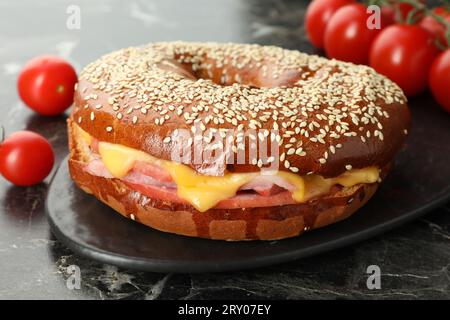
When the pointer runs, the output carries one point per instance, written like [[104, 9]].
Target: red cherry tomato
[[26, 158], [347, 36], [317, 15], [404, 53], [436, 28], [46, 85], [405, 8], [388, 15], [439, 79]]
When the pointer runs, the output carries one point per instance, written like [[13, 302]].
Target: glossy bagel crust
[[329, 115], [270, 223]]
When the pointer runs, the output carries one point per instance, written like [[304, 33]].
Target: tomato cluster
[[46, 85], [409, 43]]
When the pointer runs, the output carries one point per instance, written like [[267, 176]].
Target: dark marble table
[[414, 259]]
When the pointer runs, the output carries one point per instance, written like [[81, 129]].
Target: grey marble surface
[[414, 259]]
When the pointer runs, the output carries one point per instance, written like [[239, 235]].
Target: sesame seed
[[348, 167], [109, 129], [287, 164], [330, 100], [260, 163]]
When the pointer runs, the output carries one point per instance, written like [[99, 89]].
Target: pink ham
[[151, 170], [244, 200], [97, 168], [268, 185], [138, 177], [152, 175], [155, 182], [254, 200]]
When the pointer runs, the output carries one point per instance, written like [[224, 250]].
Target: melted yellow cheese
[[355, 176], [118, 160], [85, 137], [299, 193], [316, 185], [204, 192]]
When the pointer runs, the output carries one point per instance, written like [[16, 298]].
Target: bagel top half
[[329, 116]]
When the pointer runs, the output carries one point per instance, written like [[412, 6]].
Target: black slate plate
[[419, 182]]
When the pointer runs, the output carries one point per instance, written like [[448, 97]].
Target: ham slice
[[268, 185], [150, 170], [155, 182], [138, 177], [254, 200], [146, 175], [241, 200], [97, 168]]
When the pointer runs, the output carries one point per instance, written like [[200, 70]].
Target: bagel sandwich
[[233, 141]]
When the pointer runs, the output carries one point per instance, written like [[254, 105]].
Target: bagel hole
[[253, 78]]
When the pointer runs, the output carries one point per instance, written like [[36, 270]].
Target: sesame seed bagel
[[330, 115], [329, 120]]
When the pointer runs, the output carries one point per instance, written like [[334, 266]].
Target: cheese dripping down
[[205, 192]]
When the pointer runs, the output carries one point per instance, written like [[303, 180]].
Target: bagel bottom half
[[269, 223]]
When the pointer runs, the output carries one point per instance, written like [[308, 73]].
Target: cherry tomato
[[436, 28], [394, 11], [388, 15], [404, 53], [406, 8], [317, 15], [439, 79], [347, 36], [46, 85], [26, 158]]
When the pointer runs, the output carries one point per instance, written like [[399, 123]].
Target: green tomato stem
[[446, 4], [446, 24], [2, 135], [379, 3]]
